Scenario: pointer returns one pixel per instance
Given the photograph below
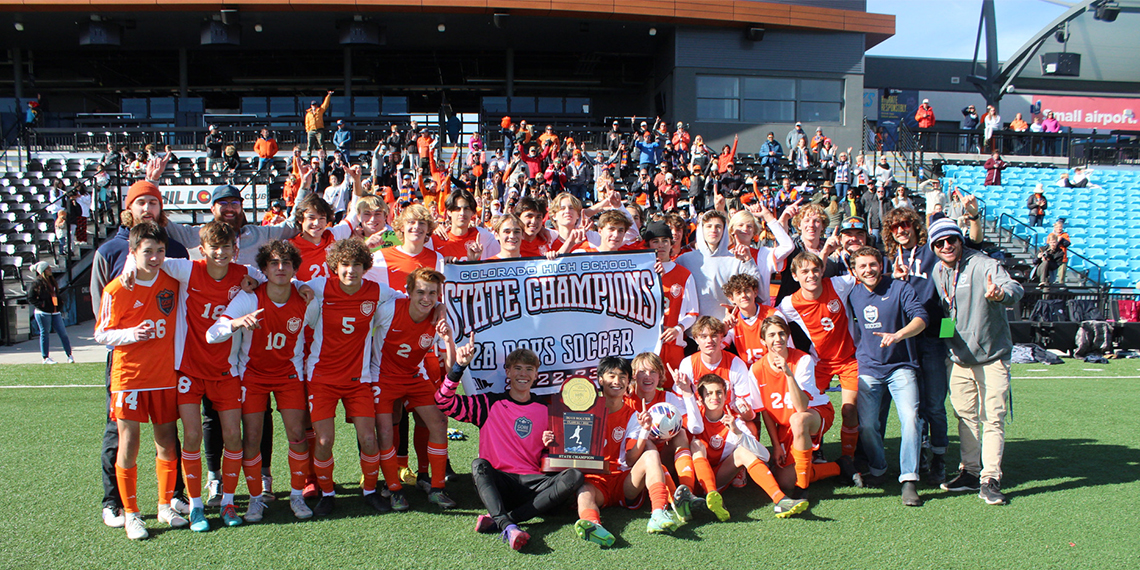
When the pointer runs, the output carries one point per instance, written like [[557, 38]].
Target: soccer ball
[[664, 421]]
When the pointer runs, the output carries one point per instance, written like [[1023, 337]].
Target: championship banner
[[571, 311], [198, 197]]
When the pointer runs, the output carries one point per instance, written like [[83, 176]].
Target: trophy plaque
[[578, 420]]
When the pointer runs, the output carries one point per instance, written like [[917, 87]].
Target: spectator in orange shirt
[[315, 124], [925, 118], [265, 148]]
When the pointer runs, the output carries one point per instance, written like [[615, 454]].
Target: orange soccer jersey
[[272, 350], [746, 335], [391, 266], [204, 300], [824, 319], [313, 256], [405, 345], [773, 386], [536, 247], [343, 333], [146, 364], [456, 246], [716, 437]]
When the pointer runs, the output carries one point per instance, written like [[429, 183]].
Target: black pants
[[111, 498], [512, 499]]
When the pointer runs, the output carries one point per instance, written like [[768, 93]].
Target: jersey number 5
[[346, 325]]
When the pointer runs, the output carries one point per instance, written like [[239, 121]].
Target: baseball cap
[[225, 191], [313, 103], [340, 121], [656, 229], [853, 223], [926, 100], [799, 124]]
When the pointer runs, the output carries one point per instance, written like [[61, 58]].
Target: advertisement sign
[[1102, 113]]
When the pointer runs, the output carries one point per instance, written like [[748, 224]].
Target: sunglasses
[[903, 225], [946, 242]]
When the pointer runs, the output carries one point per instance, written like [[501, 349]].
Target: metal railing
[[1009, 143], [1094, 273]]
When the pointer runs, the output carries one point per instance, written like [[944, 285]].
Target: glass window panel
[[757, 111], [365, 106], [577, 104], [522, 104], [280, 107], [710, 86], [550, 105], [769, 88], [136, 108], [717, 109], [495, 104], [392, 105], [190, 105], [811, 112], [162, 107], [828, 90]]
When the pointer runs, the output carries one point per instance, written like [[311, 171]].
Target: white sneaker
[[70, 360], [181, 507], [267, 488], [171, 517], [253, 512], [136, 528], [49, 361], [300, 509], [113, 517], [213, 493]]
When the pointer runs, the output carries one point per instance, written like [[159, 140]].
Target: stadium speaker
[[360, 33], [99, 34], [1106, 11], [216, 33], [1061, 64], [755, 33]]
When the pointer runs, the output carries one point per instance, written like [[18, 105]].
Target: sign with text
[[571, 311], [1102, 113], [198, 197]]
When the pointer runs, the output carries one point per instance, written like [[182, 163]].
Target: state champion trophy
[[578, 420]]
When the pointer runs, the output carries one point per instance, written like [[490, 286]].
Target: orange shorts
[[289, 393], [412, 391], [847, 370], [224, 394], [612, 486], [157, 406], [826, 413], [433, 368], [324, 397]]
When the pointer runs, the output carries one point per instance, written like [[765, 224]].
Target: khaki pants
[[978, 395]]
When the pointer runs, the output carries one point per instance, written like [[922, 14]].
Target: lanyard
[[950, 293]]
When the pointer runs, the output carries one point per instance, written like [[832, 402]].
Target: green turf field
[[1071, 468]]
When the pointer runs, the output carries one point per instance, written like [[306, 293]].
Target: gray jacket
[[250, 237], [981, 329]]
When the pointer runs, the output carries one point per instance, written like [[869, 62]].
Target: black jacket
[[41, 293]]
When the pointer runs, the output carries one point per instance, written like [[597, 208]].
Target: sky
[[949, 28]]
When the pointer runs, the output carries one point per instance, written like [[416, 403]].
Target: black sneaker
[[423, 482], [451, 474], [817, 456], [924, 460], [910, 496], [399, 501], [378, 502], [325, 506], [937, 472], [963, 482], [848, 472], [991, 492], [877, 481]]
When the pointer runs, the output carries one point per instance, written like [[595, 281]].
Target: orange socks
[[683, 461], [658, 495], [299, 472], [848, 436], [437, 457], [802, 459], [252, 469], [324, 470], [705, 474], [824, 470], [370, 467], [231, 467], [192, 473], [590, 515], [311, 440], [167, 472], [391, 469], [128, 480], [763, 477]]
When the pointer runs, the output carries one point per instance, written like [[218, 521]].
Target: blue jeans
[[932, 389], [903, 386], [46, 322], [841, 190]]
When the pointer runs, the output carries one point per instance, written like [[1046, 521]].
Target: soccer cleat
[[136, 528], [515, 537], [740, 480], [255, 510], [180, 506], [310, 490], [213, 493], [300, 509], [423, 482], [450, 475], [440, 498], [70, 360], [484, 524], [198, 522], [660, 522], [817, 456], [377, 502], [113, 517], [848, 472], [171, 517], [965, 481], [937, 472], [325, 506], [683, 503], [789, 506], [991, 492], [50, 361], [593, 532], [267, 488], [407, 477], [399, 502], [230, 516], [910, 496], [715, 504]]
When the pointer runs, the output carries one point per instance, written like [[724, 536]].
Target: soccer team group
[[337, 315]]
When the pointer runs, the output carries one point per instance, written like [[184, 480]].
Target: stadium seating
[[1100, 218]]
